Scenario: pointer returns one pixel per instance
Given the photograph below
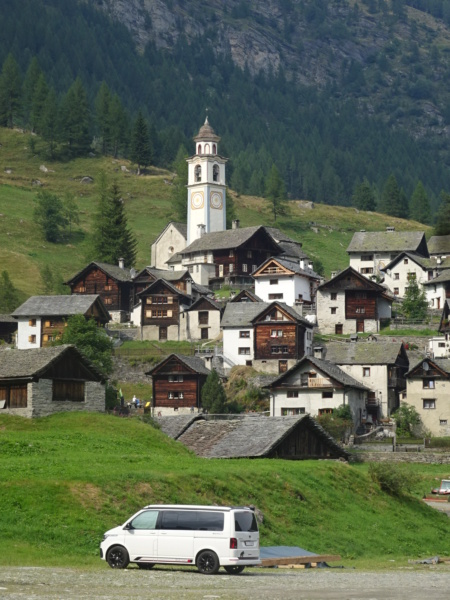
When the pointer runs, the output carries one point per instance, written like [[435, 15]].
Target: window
[[360, 310], [108, 288], [249, 253], [367, 270], [292, 394], [146, 520], [273, 281], [309, 335], [442, 422], [441, 345], [279, 350], [366, 257], [275, 296], [107, 300], [244, 334], [254, 267], [244, 268], [396, 276], [231, 268], [198, 173], [333, 296], [68, 391], [243, 350], [327, 394], [175, 395], [411, 276], [231, 253], [366, 371], [396, 292], [81, 289], [276, 333], [333, 310], [325, 411], [32, 322], [176, 378], [215, 172], [428, 384], [32, 339], [429, 404], [203, 317], [290, 412], [405, 261]]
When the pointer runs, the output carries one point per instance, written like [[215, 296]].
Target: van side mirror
[[129, 526]]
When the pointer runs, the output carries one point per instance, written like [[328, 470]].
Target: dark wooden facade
[[145, 278], [278, 335], [305, 442], [52, 327], [8, 328], [361, 304], [161, 304], [115, 292], [444, 325], [176, 384]]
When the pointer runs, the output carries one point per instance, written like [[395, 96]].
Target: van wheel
[[234, 569], [208, 562], [117, 557], [146, 566]]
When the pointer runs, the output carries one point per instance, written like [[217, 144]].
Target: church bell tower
[[206, 186]]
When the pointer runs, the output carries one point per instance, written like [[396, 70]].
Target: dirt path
[[430, 582]]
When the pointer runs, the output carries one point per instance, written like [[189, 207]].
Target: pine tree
[[179, 189], [415, 304], [103, 116], [49, 215], [363, 196], [118, 126], [419, 206], [75, 120], [393, 199], [141, 153], [71, 211], [214, 398], [442, 226], [276, 193], [9, 295], [38, 102], [49, 122], [112, 237], [29, 85], [10, 92]]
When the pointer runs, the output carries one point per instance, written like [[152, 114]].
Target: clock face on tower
[[216, 200], [197, 200]]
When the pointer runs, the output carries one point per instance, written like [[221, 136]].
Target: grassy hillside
[[23, 251], [68, 478]]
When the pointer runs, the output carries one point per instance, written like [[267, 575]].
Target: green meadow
[[68, 478]]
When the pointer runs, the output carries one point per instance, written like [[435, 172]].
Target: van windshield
[[245, 521]]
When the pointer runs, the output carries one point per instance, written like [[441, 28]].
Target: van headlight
[[107, 535]]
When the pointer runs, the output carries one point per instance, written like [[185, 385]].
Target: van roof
[[196, 507]]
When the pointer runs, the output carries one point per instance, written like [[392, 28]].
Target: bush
[[407, 420], [438, 442], [392, 478]]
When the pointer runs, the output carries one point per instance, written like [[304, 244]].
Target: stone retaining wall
[[440, 458]]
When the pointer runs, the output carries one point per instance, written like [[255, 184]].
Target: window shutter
[[169, 313]]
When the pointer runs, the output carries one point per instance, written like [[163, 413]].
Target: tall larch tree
[[363, 196], [103, 117], [275, 193], [419, 206], [76, 120], [141, 152], [10, 92], [393, 199], [49, 122], [29, 85], [442, 226], [119, 126]]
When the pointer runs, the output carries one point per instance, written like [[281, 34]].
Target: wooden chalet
[[159, 312], [42, 381], [179, 279], [42, 319], [177, 384], [113, 283], [8, 328], [254, 436], [350, 302]]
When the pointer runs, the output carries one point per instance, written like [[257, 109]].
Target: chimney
[[310, 265], [302, 263], [319, 352], [121, 263], [200, 231], [189, 287], [235, 224]]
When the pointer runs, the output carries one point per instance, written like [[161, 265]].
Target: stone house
[[428, 391], [351, 303], [314, 386], [42, 381], [379, 366], [438, 289], [42, 319], [371, 251], [203, 320]]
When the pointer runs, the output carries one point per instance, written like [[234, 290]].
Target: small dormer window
[[198, 173], [215, 172]]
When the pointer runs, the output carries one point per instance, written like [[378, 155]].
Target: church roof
[[206, 133]]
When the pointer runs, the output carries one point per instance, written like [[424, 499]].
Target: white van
[[209, 537]]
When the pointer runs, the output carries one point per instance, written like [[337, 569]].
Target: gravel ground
[[428, 582]]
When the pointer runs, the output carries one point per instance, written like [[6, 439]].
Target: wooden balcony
[[318, 382]]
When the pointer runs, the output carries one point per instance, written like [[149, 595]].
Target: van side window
[[245, 521], [190, 520], [145, 520]]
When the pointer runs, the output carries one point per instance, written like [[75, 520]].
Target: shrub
[[407, 419], [392, 478]]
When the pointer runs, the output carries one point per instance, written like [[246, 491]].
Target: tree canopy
[[275, 192], [214, 399], [49, 215], [9, 295]]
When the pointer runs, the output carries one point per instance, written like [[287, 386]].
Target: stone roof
[[26, 364], [251, 296], [292, 265], [386, 241], [441, 278], [167, 274], [351, 274], [214, 305], [243, 314], [327, 367], [192, 362], [57, 306], [291, 248], [362, 353], [171, 287], [114, 271], [442, 363], [248, 436], [425, 263], [174, 426], [206, 133], [7, 319], [224, 240], [439, 244]]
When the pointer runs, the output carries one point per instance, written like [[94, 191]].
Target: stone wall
[[438, 458], [40, 401]]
